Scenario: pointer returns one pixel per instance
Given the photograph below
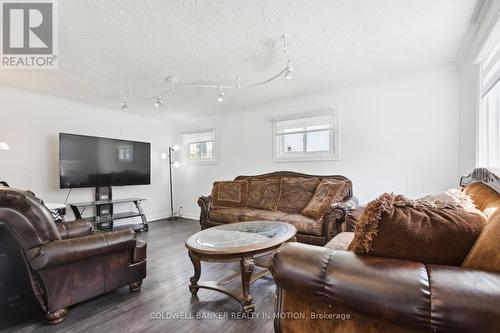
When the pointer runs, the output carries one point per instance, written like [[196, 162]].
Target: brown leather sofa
[[329, 289], [67, 263], [309, 230]]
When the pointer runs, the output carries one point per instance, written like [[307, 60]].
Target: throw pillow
[[263, 193], [296, 192], [395, 227], [484, 253], [230, 194], [329, 191]]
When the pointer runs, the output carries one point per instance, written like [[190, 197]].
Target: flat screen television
[[89, 161]]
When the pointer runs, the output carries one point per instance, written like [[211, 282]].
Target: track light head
[[289, 71], [124, 106], [158, 102], [220, 98], [176, 164]]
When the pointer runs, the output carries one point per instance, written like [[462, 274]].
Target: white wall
[[397, 135], [30, 123]]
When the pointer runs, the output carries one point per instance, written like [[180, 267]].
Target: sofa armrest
[[336, 218], [427, 297], [74, 229], [205, 203], [65, 251]]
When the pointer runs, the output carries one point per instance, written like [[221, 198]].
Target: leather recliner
[[67, 263]]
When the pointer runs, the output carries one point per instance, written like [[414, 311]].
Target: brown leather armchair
[[329, 289], [67, 263]]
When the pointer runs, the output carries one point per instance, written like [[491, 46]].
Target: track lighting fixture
[[220, 98], [158, 102], [125, 100], [124, 106], [172, 81], [289, 71]]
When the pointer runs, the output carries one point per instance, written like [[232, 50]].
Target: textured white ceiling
[[108, 47]]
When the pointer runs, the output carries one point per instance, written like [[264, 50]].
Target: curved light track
[[235, 84]]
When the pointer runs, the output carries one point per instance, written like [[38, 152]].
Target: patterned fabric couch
[[317, 206]]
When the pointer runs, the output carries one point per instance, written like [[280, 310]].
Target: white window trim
[[333, 155], [488, 52], [207, 161]]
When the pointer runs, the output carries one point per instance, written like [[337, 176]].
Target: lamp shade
[[176, 147]]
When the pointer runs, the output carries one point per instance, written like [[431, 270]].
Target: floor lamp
[[4, 146], [171, 164]]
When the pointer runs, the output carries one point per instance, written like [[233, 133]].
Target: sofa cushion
[[230, 194], [328, 192], [261, 214], [296, 193], [395, 227], [341, 241], [484, 255], [263, 193], [226, 215], [304, 224], [484, 197]]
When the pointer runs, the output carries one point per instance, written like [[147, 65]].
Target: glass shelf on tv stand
[[105, 202], [106, 222]]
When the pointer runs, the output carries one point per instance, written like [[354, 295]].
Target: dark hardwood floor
[[164, 292]]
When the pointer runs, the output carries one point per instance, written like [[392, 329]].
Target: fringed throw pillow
[[419, 230]]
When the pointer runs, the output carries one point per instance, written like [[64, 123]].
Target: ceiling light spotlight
[[124, 106], [289, 71], [158, 102], [220, 98]]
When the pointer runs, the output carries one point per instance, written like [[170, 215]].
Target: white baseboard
[[162, 217], [191, 216], [157, 217]]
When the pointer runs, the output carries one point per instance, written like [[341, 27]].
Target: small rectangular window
[[200, 147], [306, 137]]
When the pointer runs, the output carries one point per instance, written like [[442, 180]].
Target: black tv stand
[[104, 211]]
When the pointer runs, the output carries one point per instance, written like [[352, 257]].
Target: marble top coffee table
[[245, 242]]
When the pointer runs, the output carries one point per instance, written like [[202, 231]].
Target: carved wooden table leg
[[193, 287], [247, 265]]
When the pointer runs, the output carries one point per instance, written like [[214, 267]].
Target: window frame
[[186, 144], [488, 82], [333, 154]]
